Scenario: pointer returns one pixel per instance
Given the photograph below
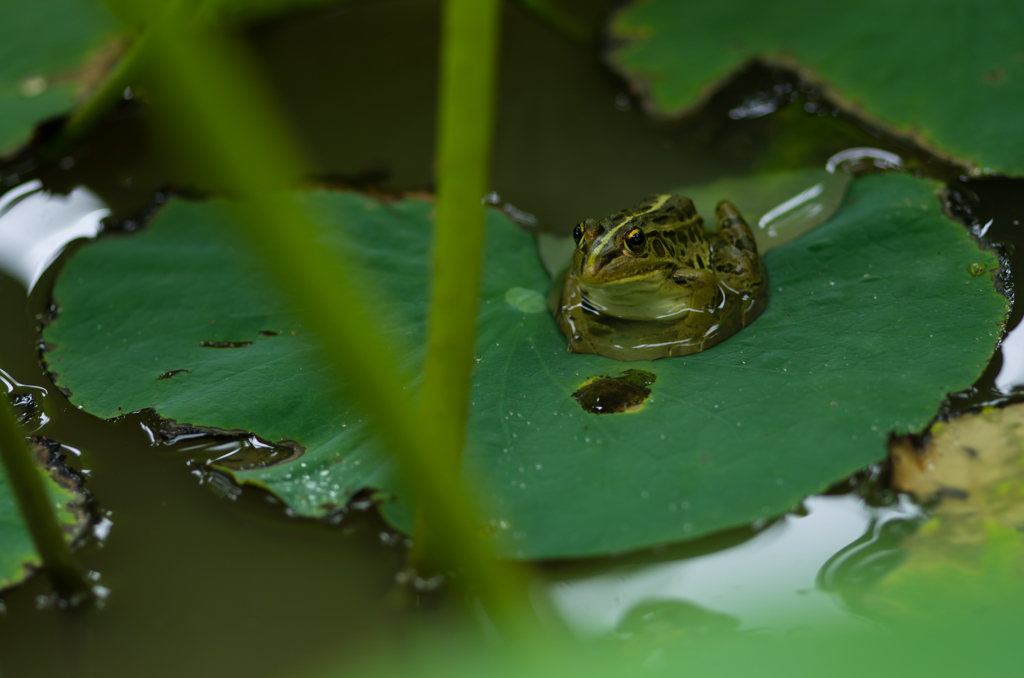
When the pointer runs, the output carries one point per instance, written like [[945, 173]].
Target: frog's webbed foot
[[585, 333], [575, 329], [580, 345], [735, 260]]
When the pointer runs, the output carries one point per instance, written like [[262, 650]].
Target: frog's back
[[660, 212], [672, 226]]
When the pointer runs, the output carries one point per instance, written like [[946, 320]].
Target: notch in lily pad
[[609, 395]]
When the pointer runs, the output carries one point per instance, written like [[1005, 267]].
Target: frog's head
[[630, 246]]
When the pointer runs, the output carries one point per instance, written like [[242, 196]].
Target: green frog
[[651, 282]]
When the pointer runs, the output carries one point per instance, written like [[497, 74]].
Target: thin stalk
[[110, 92], [559, 20], [37, 509], [216, 107], [132, 64], [465, 126]]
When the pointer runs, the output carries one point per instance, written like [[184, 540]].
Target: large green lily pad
[[949, 74], [873, 318], [18, 556], [51, 51]]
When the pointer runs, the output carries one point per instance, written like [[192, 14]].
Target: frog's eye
[[635, 240], [577, 233]]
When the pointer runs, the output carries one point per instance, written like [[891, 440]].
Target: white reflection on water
[[36, 225], [767, 582], [1011, 374], [879, 158]]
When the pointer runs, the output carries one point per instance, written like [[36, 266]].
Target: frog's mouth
[[600, 273], [656, 275]]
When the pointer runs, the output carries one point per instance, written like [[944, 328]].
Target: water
[[767, 583], [36, 225], [208, 579], [992, 211]]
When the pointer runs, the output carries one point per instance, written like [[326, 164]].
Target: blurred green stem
[[37, 509], [465, 126], [213, 102], [559, 19], [110, 92]]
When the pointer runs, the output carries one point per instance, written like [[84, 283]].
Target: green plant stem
[[216, 108], [37, 509], [133, 62], [558, 19], [110, 92], [466, 121]]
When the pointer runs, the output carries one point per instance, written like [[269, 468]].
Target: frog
[[651, 282]]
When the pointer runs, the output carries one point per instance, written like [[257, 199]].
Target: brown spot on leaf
[[995, 77], [224, 344], [168, 375], [609, 395]]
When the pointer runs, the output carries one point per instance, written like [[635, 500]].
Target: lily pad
[[18, 556], [949, 75], [51, 53], [873, 318], [969, 472]]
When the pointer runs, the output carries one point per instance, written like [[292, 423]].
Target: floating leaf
[[957, 89], [970, 471], [873, 318], [51, 52], [18, 557], [972, 465]]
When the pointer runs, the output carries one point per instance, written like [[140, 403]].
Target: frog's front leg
[[735, 258], [705, 298], [574, 320]]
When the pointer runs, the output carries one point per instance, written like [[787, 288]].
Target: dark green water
[[203, 584]]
